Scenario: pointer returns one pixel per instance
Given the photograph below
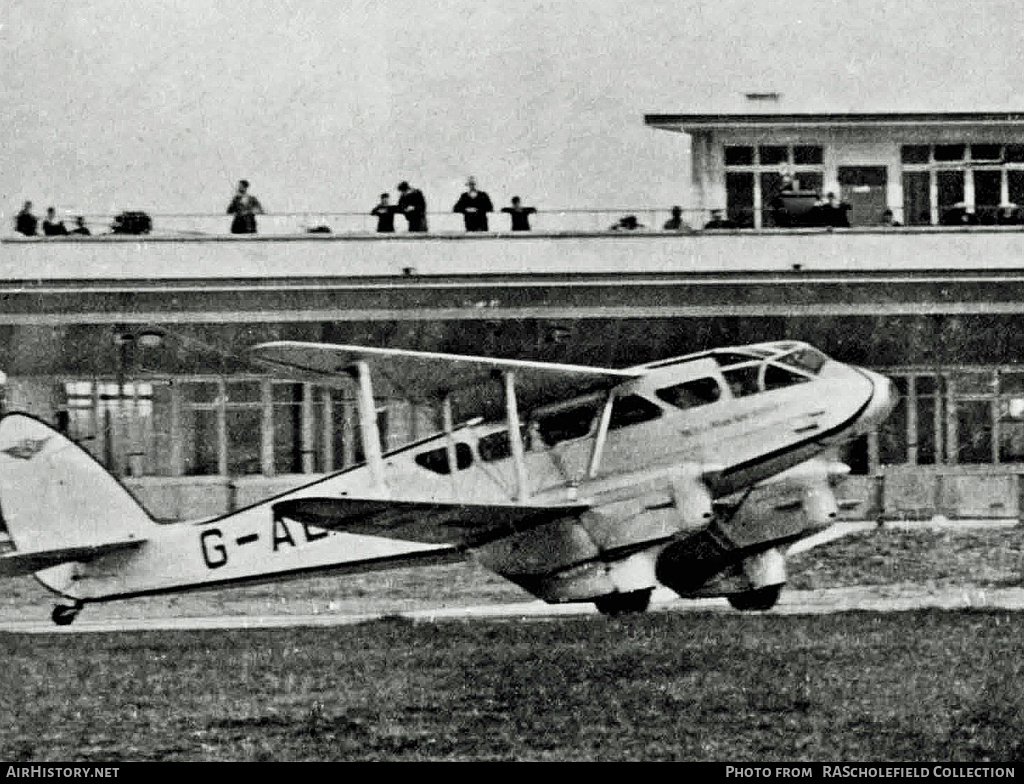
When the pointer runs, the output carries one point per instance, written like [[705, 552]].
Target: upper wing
[[472, 382], [462, 525]]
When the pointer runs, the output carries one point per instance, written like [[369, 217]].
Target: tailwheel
[[64, 614], [614, 604], [758, 599]]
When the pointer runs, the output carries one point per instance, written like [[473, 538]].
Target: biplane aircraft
[[580, 484]]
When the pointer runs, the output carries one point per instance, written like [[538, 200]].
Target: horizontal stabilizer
[[465, 525], [21, 563]]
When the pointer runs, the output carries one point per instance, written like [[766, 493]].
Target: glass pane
[[974, 431], [949, 152], [436, 460], [807, 154], [566, 425], [917, 210], [773, 155], [691, 394], [986, 152], [892, 436], [810, 181], [1014, 153], [632, 410], [739, 156], [951, 197], [244, 440], [915, 153], [743, 381], [771, 204], [776, 377], [975, 383], [988, 190], [243, 391], [201, 457], [926, 441], [739, 198], [202, 391], [1011, 383], [288, 439]]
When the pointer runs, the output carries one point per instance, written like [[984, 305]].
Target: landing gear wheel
[[64, 614], [624, 603], [758, 599]]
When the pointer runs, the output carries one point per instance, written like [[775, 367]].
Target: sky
[[164, 105]]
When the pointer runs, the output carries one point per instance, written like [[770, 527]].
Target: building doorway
[[864, 189]]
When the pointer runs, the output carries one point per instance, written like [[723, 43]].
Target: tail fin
[[55, 496]]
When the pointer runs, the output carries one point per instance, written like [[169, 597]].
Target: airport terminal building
[[136, 345]]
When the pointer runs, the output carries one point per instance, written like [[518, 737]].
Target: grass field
[[929, 685], [923, 685]]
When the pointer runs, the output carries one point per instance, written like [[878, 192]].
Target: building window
[[755, 176], [955, 184], [123, 425]]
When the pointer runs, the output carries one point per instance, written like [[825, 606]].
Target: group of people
[[28, 224], [474, 205]]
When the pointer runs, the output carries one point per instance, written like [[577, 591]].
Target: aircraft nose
[[884, 397]]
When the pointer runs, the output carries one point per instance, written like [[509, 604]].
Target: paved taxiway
[[879, 598], [829, 600]]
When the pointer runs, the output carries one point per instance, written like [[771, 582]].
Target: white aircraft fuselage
[[694, 474]]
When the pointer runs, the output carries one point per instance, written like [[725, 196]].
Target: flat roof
[[697, 122]]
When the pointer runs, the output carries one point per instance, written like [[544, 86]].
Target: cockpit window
[[806, 358], [436, 460], [776, 377], [727, 358], [566, 425], [632, 410], [691, 394], [743, 381]]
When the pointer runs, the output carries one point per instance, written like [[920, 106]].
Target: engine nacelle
[[686, 564]]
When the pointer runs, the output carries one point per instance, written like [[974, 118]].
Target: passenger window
[[436, 460], [566, 425], [691, 394], [743, 381], [632, 410], [807, 359], [726, 358], [498, 446], [776, 377]]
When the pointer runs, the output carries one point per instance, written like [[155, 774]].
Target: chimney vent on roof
[[764, 97]]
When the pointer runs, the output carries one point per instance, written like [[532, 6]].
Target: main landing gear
[[624, 603], [64, 614], [758, 599]]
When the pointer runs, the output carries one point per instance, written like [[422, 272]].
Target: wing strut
[[368, 424], [449, 443], [601, 436], [515, 434]]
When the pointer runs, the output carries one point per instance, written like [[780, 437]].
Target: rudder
[[54, 494]]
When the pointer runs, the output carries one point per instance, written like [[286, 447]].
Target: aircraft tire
[[615, 604], [759, 599], [64, 614]]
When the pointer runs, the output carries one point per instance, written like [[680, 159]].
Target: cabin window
[[498, 446], [566, 425], [776, 377], [743, 381], [632, 410], [726, 358], [807, 359], [436, 460], [690, 394]]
